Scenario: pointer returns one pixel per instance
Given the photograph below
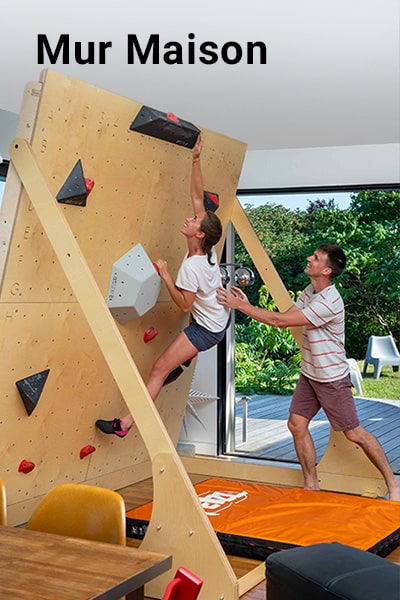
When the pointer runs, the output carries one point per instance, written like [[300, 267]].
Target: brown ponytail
[[212, 228]]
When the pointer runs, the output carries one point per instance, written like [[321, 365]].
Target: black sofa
[[331, 571]]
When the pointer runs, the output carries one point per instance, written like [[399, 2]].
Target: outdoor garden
[[267, 360]]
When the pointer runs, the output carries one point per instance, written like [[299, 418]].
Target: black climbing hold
[[165, 126], [173, 375], [211, 201], [74, 191], [30, 389]]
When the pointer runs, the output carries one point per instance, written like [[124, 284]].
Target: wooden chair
[[82, 511], [184, 586], [3, 503]]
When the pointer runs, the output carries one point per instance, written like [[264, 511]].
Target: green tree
[[267, 359], [369, 233]]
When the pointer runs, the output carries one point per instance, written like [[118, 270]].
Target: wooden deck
[[266, 435]]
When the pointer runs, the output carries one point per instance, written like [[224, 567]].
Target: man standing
[[325, 378]]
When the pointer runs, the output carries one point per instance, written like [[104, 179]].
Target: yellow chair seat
[[82, 511]]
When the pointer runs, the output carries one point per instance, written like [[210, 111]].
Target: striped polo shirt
[[323, 351]]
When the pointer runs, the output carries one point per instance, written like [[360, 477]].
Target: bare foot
[[395, 493], [311, 482]]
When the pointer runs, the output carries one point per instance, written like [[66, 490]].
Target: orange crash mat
[[254, 520]]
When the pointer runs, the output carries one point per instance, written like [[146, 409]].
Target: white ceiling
[[331, 79]]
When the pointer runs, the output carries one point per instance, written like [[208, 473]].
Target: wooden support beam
[[263, 263], [345, 468], [8, 206]]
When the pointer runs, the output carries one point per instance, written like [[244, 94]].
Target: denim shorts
[[201, 338]]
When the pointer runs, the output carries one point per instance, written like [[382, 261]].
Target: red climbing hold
[[150, 334], [86, 450], [155, 265], [211, 201], [172, 117], [89, 184], [25, 466]]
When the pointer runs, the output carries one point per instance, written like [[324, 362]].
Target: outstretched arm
[[197, 187], [238, 300]]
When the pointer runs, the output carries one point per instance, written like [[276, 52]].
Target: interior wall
[[328, 166], [141, 195], [8, 126], [200, 426]]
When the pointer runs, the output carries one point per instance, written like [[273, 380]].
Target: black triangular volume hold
[[30, 389], [211, 201], [165, 126], [173, 376], [74, 190]]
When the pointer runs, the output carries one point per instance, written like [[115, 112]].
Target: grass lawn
[[387, 386]]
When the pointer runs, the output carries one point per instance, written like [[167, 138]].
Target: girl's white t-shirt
[[197, 275]]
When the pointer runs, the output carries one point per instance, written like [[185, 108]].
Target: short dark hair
[[336, 258]]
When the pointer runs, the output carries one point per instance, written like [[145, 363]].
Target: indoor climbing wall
[[55, 381]]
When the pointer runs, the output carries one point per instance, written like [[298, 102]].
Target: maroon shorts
[[335, 398]]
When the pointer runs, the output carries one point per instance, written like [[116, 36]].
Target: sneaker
[[113, 426]]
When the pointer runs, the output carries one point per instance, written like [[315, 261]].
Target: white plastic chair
[[381, 351]]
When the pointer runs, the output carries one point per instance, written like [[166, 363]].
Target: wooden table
[[43, 566]]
